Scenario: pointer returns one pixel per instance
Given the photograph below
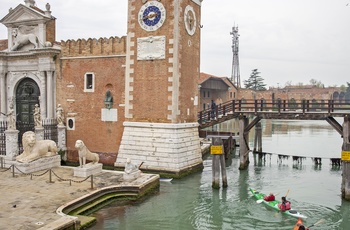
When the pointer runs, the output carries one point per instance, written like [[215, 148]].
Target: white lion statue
[[23, 39], [85, 154], [34, 149]]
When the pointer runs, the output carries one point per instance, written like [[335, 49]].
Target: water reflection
[[243, 185], [345, 210]]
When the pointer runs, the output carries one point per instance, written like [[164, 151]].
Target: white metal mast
[[235, 75]]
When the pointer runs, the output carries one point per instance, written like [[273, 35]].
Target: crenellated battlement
[[94, 47]]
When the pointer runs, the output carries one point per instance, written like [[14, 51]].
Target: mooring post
[[218, 163], [345, 157], [243, 143], [216, 172], [258, 138], [223, 170]]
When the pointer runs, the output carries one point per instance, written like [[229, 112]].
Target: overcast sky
[[286, 40]]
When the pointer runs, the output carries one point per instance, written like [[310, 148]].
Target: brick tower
[[161, 86]]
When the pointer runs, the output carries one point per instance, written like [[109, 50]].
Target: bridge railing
[[274, 106]]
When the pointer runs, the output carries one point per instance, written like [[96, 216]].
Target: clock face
[[190, 20], [152, 16]]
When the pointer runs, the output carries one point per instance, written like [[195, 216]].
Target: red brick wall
[[3, 44], [298, 93], [151, 97], [99, 136], [51, 31], [190, 66]]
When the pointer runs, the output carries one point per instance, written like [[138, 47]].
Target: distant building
[[219, 89]]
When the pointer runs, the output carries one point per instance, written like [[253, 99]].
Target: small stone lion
[[85, 154], [34, 149]]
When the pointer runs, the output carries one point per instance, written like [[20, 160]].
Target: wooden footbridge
[[281, 109]]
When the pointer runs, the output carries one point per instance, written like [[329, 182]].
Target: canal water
[[191, 203]]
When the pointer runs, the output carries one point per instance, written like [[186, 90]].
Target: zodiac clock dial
[[152, 16], [190, 20]]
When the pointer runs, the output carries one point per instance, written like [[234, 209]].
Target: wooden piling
[[243, 143], [216, 171], [345, 186], [258, 137], [223, 170]]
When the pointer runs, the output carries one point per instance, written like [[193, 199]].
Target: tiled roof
[[204, 76]]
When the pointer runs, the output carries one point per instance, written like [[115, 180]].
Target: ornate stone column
[[49, 94], [3, 97], [43, 101], [11, 144]]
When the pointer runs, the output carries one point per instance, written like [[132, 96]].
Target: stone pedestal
[[88, 169], [131, 176], [165, 147], [61, 137], [38, 165], [11, 144], [39, 133]]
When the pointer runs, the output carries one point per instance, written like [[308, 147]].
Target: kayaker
[[270, 197], [302, 227], [285, 205]]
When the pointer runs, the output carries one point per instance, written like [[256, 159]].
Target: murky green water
[[191, 203]]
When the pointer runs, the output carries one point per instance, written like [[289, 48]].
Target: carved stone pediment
[[27, 27], [24, 15]]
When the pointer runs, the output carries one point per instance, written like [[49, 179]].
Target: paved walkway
[[31, 203]]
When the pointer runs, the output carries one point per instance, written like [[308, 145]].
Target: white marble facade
[[28, 60], [29, 56]]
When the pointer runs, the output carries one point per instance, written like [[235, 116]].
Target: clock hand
[[150, 16]]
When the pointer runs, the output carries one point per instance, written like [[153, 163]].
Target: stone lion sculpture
[[130, 167], [23, 39], [35, 149], [85, 154]]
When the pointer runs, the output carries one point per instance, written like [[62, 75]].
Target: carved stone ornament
[[23, 36], [151, 48]]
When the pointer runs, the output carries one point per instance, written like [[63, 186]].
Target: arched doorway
[[27, 95]]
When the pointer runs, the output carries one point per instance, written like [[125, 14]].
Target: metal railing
[[258, 107]]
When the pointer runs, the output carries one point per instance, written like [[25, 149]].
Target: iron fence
[[3, 127], [50, 132], [50, 129]]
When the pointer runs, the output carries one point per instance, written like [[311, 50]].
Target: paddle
[[287, 193], [317, 223]]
